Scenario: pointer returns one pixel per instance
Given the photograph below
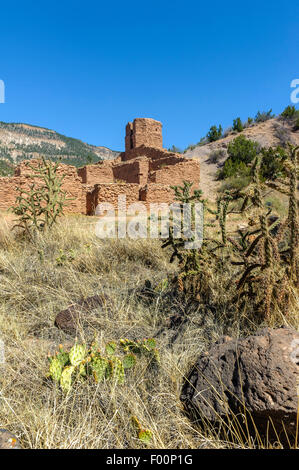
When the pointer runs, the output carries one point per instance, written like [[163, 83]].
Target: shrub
[[289, 112], [214, 133], [264, 116], [237, 125], [235, 183], [272, 163], [6, 168], [175, 149], [242, 149], [190, 147], [217, 155], [234, 168]]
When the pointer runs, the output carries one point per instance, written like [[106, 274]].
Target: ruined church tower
[[143, 131]]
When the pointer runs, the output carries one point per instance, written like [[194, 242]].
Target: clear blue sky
[[87, 68]]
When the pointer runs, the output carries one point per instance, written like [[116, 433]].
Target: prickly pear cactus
[[145, 436], [118, 371], [66, 378], [111, 348], [150, 343], [129, 361], [80, 362], [55, 369], [77, 354], [99, 366]]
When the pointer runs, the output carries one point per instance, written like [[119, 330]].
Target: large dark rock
[[8, 440], [258, 374], [78, 314]]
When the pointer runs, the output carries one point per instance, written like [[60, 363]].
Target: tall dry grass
[[69, 263]]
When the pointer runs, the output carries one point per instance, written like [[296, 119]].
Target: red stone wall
[[98, 173], [156, 193], [135, 171], [143, 131], [8, 191], [176, 174], [150, 152], [71, 184], [165, 161], [110, 192]]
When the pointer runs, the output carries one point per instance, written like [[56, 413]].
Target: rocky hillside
[[271, 133], [22, 141]]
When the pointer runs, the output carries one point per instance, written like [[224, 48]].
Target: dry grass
[[37, 281]]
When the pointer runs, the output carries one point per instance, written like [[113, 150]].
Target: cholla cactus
[[40, 206]]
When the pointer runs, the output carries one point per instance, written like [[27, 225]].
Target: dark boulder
[[254, 378]]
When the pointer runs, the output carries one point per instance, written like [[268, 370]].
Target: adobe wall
[[176, 174], [135, 171], [72, 184], [143, 131], [8, 191], [149, 152], [99, 173], [156, 193], [165, 161], [110, 192]]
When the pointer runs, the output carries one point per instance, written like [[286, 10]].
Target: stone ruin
[[144, 172]]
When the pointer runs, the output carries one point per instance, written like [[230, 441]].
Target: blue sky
[[87, 68]]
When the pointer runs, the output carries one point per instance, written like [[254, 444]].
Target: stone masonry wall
[[143, 131], [98, 173], [150, 152], [72, 184], [156, 193], [135, 171], [110, 192], [176, 174], [8, 191]]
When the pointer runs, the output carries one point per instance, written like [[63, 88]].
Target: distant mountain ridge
[[20, 141]]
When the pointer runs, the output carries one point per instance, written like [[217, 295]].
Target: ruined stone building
[[144, 172]]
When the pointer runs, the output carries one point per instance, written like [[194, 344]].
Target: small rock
[[8, 440], [68, 320]]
